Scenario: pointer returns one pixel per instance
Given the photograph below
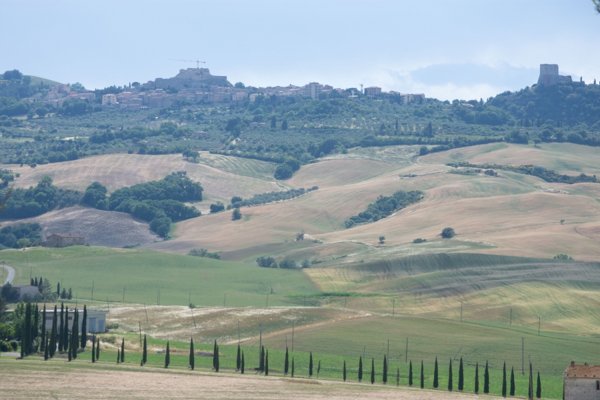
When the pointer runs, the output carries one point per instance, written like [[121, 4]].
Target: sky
[[447, 49]]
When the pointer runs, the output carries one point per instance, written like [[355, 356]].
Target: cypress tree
[[167, 356], [123, 350], [384, 372], [318, 368], [61, 328], [461, 376], [217, 362], [145, 351], [98, 349], [310, 365], [69, 350], [75, 335], [267, 363], [242, 363], [504, 380], [46, 351], [486, 379], [53, 332], [261, 361], [450, 387], [286, 362], [57, 289], [344, 371], [436, 382], [43, 340], [84, 328], [422, 377], [35, 327], [118, 356], [410, 373], [360, 369], [215, 354], [238, 358], [538, 388], [292, 367], [512, 381], [372, 371], [398, 376], [476, 385], [26, 334], [530, 388], [65, 338], [93, 349], [192, 361]]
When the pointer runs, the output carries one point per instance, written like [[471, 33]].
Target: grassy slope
[[144, 273]]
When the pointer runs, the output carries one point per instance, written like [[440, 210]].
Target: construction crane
[[198, 62]]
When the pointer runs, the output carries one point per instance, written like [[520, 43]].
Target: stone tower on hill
[[191, 78], [549, 75]]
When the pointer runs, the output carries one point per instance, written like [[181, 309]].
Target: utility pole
[[461, 311], [539, 324], [140, 328], [158, 297], [406, 352], [224, 299], [394, 306], [193, 318], [510, 318], [259, 340], [146, 311], [388, 349], [123, 300], [92, 290], [267, 301], [238, 331]]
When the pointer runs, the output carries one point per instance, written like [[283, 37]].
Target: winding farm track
[[11, 273]]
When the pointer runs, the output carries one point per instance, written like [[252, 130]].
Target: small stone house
[[96, 320], [581, 382], [58, 240]]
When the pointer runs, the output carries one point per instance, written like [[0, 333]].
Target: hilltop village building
[[581, 382], [549, 75], [198, 85]]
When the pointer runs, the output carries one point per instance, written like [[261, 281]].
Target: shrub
[[419, 240], [448, 233], [236, 214], [563, 257], [204, 253]]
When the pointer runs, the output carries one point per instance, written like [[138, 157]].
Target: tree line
[[385, 206]]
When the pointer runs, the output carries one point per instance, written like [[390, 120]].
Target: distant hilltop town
[[198, 85]]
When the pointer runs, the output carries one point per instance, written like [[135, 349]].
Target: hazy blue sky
[[444, 48]]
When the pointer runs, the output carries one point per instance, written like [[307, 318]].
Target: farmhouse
[[27, 292], [581, 382], [58, 240], [96, 320]]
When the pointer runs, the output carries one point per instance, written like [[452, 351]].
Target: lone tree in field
[[504, 379], [476, 385], [191, 360], [512, 382], [486, 379], [286, 362], [236, 214], [216, 357], [310, 365], [450, 376], [461, 376], [372, 371], [344, 371], [144, 352], [360, 369], [410, 373], [448, 233], [238, 358], [381, 239], [538, 388], [436, 382], [242, 364], [168, 356]]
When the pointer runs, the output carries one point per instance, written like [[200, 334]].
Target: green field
[[147, 277]]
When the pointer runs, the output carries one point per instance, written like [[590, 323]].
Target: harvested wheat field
[[33, 379]]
